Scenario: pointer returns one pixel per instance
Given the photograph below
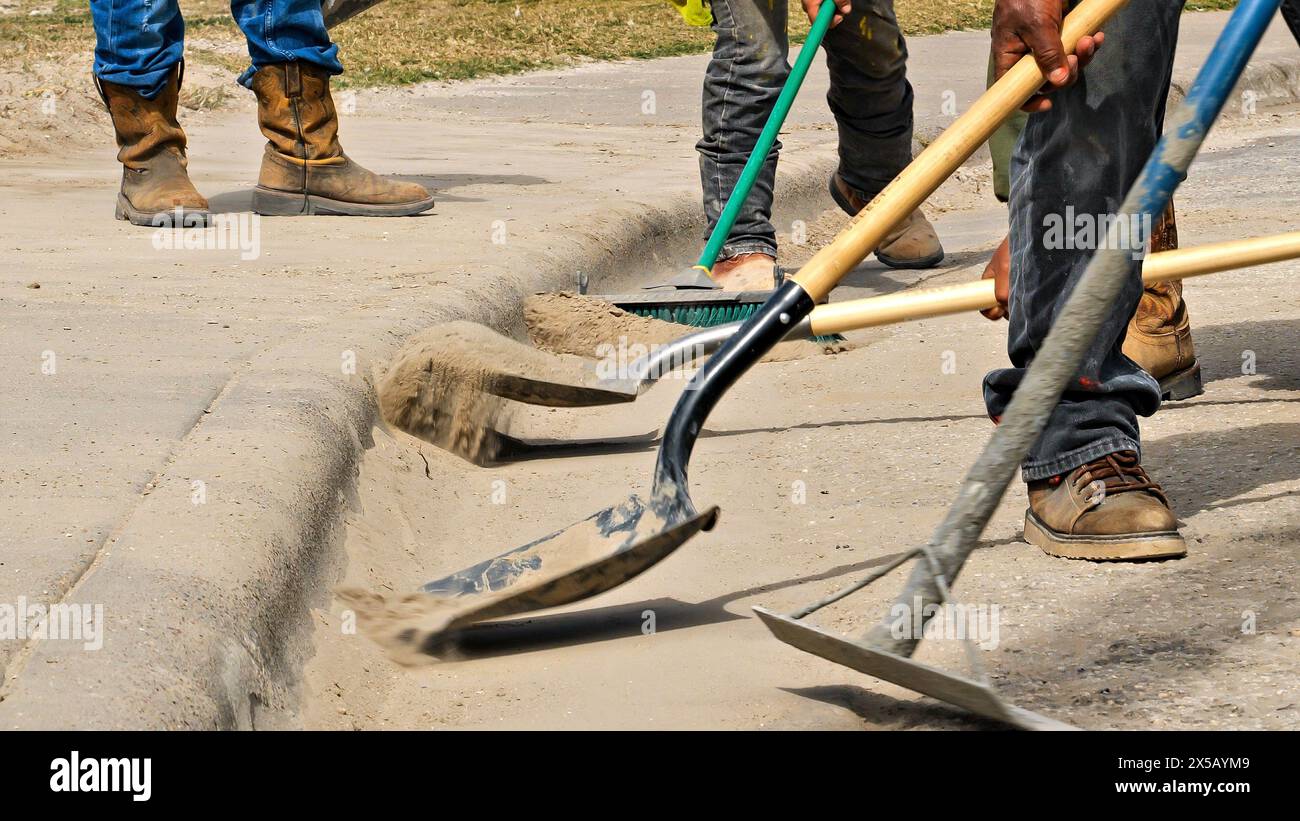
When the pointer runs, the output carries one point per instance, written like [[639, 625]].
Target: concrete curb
[[207, 606]]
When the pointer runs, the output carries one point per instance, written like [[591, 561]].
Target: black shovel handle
[[789, 304]]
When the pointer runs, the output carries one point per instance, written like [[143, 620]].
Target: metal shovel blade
[[979, 698], [589, 557], [584, 390], [466, 356]]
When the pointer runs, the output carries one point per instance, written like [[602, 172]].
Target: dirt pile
[[435, 389], [568, 323]]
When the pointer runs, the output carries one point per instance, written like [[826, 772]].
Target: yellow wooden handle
[[943, 156], [839, 317]]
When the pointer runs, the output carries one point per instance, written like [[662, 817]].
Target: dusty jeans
[[139, 42], [869, 96], [1085, 153]]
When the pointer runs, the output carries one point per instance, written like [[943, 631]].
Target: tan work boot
[[912, 243], [1159, 337], [156, 189], [745, 272], [1106, 510], [304, 169]]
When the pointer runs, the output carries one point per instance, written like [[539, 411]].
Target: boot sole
[[893, 262], [907, 264], [1119, 548], [190, 218], [1182, 384], [271, 203]]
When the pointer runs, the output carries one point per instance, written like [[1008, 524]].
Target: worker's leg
[[1002, 143], [282, 31], [138, 43], [872, 103], [304, 168], [1085, 153], [741, 84], [1159, 337], [138, 49]]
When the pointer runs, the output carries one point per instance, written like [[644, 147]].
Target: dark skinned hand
[[842, 9], [1023, 27], [999, 270]]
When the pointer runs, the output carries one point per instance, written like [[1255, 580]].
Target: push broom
[[927, 303], [693, 297], [623, 540]]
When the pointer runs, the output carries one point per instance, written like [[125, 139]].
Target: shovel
[[885, 651], [927, 303], [619, 542], [570, 384]]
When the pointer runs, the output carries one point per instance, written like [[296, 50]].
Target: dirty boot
[[912, 243], [1106, 510], [746, 272], [1159, 337], [156, 189], [304, 169]]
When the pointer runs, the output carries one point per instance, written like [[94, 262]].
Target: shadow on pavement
[[1270, 345], [1209, 470], [237, 202]]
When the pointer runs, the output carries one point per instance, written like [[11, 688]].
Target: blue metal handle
[[1167, 166]]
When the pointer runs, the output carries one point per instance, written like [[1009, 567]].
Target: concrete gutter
[[206, 605], [207, 587]]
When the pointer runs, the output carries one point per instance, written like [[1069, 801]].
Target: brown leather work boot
[[746, 272], [912, 243], [156, 188], [1106, 510], [1159, 337], [304, 169]]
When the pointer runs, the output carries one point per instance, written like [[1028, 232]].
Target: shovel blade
[[589, 557], [971, 695], [584, 391]]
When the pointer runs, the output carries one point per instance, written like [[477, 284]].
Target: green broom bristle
[[709, 316]]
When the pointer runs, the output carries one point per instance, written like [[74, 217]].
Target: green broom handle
[[768, 136]]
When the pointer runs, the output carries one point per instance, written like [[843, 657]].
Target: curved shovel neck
[[789, 304]]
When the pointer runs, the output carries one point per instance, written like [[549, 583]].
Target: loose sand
[[447, 383], [568, 323], [436, 388]]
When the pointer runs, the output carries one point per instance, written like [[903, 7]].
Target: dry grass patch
[[407, 41]]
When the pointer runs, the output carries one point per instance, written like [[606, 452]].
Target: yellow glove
[[694, 12]]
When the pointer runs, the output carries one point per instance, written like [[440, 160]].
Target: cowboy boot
[[1159, 337], [912, 243], [156, 189], [304, 169]]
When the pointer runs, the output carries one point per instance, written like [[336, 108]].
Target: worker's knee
[[867, 51], [752, 45]]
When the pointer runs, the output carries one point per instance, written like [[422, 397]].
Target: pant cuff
[[1035, 469], [748, 247]]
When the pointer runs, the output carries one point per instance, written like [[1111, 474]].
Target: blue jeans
[[139, 42], [869, 96], [1085, 153]]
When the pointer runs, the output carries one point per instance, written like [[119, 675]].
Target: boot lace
[[1120, 473]]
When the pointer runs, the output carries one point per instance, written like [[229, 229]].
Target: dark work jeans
[[869, 96], [1085, 152]]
